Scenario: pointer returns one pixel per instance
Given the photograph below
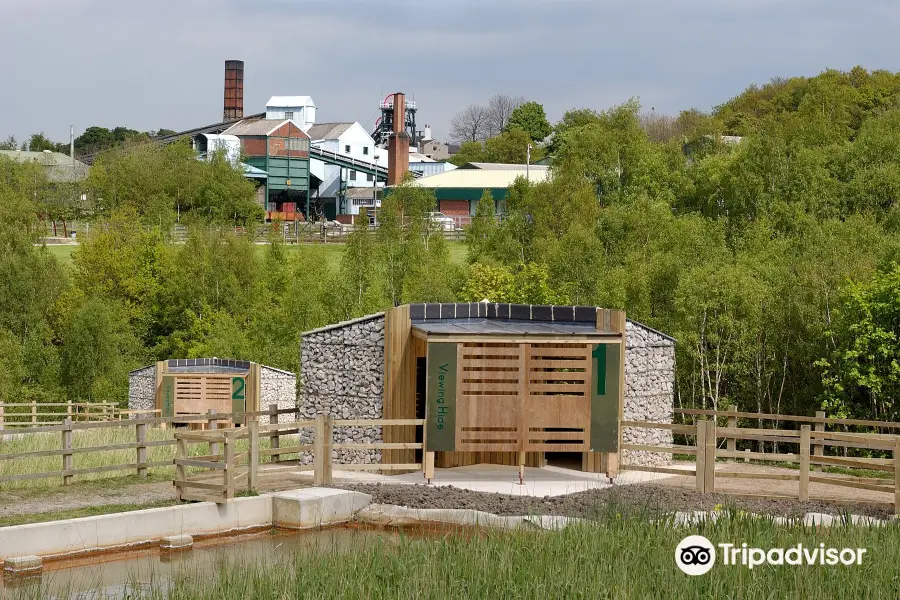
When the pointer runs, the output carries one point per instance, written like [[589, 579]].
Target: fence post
[[323, 449], [212, 424], [819, 449], [181, 451], [732, 424], [141, 436], [253, 455], [2, 408], [34, 412], [69, 408], [275, 439], [804, 463], [897, 475], [709, 485], [67, 445], [229, 466], [700, 466]]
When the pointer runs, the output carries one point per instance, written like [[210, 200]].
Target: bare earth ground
[[664, 495]]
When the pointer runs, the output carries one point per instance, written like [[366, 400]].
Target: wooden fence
[[239, 469], [33, 414], [69, 428], [810, 455]]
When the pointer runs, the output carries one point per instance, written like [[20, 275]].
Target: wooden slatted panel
[[196, 393], [489, 406], [558, 401]]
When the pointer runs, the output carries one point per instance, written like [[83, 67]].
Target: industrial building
[[458, 191]]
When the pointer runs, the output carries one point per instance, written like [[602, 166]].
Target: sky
[[160, 64]]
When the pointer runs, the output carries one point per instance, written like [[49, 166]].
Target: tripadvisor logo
[[696, 555]]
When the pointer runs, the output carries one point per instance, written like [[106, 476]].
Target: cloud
[[157, 64]]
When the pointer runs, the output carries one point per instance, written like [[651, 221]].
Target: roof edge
[[341, 324], [650, 329]]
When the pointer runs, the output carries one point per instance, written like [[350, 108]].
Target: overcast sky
[[159, 63]]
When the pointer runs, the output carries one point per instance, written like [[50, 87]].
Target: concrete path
[[547, 481]]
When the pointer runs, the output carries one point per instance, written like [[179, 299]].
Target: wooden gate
[[523, 397]]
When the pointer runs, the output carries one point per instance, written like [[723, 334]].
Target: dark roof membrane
[[483, 326]]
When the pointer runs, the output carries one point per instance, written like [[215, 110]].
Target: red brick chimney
[[234, 90], [398, 144]]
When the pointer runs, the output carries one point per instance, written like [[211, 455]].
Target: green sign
[[238, 395], [440, 397], [167, 395], [606, 362]]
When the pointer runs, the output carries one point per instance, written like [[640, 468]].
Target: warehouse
[[458, 191], [543, 384]]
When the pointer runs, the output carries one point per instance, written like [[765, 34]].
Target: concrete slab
[[22, 564], [57, 538], [315, 507], [538, 482]]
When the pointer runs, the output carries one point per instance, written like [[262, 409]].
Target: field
[[616, 558], [332, 252]]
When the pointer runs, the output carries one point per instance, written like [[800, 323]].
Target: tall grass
[[100, 439], [615, 558]]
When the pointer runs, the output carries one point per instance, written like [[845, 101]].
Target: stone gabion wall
[[142, 389], [649, 388], [277, 387], [342, 374]]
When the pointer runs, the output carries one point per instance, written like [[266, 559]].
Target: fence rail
[[197, 486], [809, 456], [35, 414], [141, 445]]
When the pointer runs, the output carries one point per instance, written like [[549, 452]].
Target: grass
[[615, 558], [76, 513], [100, 439], [332, 252]]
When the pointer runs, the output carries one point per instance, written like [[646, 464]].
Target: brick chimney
[[234, 90], [398, 144]]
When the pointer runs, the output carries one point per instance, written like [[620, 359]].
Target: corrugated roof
[[500, 166], [290, 101], [480, 178], [58, 166], [258, 127], [328, 131]]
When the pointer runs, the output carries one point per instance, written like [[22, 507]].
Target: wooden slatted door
[[523, 397], [489, 408], [558, 398]]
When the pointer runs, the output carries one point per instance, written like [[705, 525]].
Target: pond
[[128, 574]]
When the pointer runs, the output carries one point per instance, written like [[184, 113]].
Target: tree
[[531, 118], [469, 151], [861, 376], [499, 108], [38, 142], [98, 349], [482, 229], [9, 143], [470, 124], [511, 147], [93, 139]]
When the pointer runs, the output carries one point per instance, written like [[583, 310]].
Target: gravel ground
[[652, 500]]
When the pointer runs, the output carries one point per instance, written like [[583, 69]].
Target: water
[[127, 574]]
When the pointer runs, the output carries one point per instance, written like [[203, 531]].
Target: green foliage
[[862, 374], [531, 118], [98, 349], [159, 181], [9, 143], [483, 227], [510, 147]]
